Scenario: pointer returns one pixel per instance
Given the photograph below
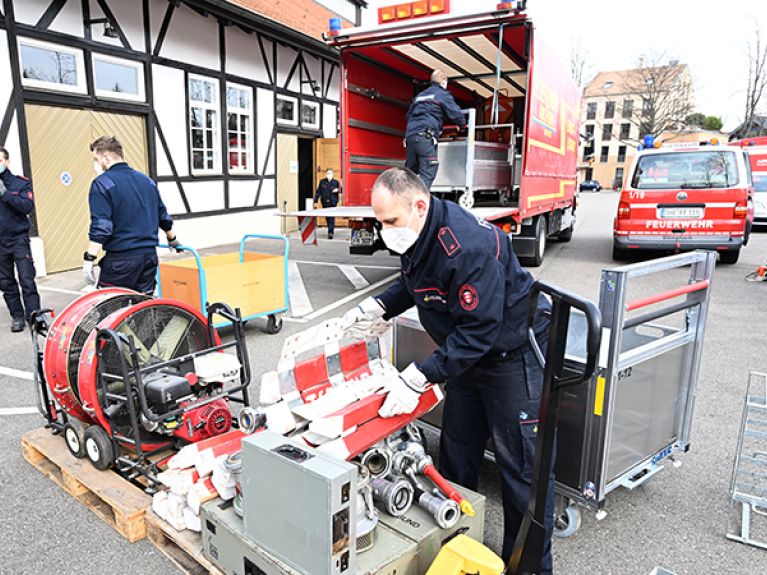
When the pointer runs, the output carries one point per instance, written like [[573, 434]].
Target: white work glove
[[89, 273], [404, 392], [362, 320]]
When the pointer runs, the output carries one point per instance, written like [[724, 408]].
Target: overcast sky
[[709, 36]]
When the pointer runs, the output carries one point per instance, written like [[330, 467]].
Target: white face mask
[[329, 176], [97, 168], [400, 240]]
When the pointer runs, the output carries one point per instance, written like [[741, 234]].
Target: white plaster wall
[[314, 65], [70, 20], [13, 145], [329, 121], [171, 197], [129, 14], [264, 126], [205, 196], [335, 82], [6, 75], [170, 106], [268, 195], [29, 11], [243, 55], [285, 59], [242, 193], [225, 229], [192, 39]]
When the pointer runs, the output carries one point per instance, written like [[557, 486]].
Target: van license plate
[[681, 213], [362, 238]]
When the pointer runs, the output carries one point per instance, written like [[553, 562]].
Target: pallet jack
[[465, 556]]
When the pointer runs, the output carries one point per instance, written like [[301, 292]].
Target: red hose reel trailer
[[124, 377]]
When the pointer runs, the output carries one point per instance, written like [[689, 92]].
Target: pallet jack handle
[[531, 539]]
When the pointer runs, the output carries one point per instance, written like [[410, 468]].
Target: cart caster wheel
[[504, 198], [74, 435], [98, 447], [466, 200], [567, 522], [273, 324]]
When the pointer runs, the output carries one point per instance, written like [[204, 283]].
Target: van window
[[686, 170]]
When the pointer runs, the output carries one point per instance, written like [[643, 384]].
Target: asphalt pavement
[[677, 519]]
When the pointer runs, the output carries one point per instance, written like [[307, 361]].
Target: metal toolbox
[[636, 411], [225, 544]]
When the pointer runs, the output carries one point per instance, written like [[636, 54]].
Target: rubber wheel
[[74, 436], [98, 447], [567, 522], [619, 254], [273, 324], [729, 257], [540, 244], [466, 200], [747, 234], [504, 198]]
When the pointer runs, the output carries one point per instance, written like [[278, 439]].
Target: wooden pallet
[[111, 497], [183, 548]]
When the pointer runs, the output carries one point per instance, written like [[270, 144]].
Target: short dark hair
[[4, 152], [401, 182], [107, 144]]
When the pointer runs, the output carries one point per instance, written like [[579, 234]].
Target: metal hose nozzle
[[395, 494], [445, 511]]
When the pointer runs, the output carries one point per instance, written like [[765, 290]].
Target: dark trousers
[[129, 270], [330, 202], [17, 254], [498, 400], [422, 158]]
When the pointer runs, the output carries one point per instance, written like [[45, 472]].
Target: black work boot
[[17, 325]]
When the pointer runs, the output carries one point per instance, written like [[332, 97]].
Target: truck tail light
[[741, 209], [624, 211]]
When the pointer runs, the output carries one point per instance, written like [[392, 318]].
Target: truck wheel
[[729, 257], [619, 254], [98, 447], [466, 200], [540, 243]]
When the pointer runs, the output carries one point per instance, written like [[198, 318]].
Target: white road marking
[[354, 276], [350, 297], [17, 373], [333, 264], [17, 410], [300, 305], [59, 290]]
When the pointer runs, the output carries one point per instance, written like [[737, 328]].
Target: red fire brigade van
[[522, 112], [683, 198], [756, 148]]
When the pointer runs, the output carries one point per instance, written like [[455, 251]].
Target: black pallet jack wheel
[[98, 447], [273, 324], [74, 436]]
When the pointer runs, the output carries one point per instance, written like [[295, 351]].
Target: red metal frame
[[670, 294]]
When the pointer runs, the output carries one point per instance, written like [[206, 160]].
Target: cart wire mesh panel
[[748, 486]]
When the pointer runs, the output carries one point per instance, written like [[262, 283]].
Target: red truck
[[520, 147], [756, 149]]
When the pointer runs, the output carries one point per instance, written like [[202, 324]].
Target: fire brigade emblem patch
[[468, 296]]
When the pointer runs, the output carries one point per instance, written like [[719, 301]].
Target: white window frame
[[296, 107], [109, 94], [318, 107], [214, 106], [251, 134], [80, 88]]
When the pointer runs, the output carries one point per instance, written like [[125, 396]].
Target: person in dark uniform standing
[[126, 211], [424, 125], [16, 203], [328, 191], [471, 294]]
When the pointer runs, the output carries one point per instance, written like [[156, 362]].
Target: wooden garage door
[[62, 172], [287, 178]]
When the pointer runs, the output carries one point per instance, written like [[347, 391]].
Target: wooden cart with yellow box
[[256, 283]]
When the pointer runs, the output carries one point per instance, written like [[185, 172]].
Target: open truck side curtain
[[525, 107]]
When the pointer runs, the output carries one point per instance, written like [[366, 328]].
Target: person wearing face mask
[[16, 203], [425, 117], [472, 297], [328, 191], [126, 211]]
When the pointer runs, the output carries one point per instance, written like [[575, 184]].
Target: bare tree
[[665, 91], [757, 79], [580, 68]]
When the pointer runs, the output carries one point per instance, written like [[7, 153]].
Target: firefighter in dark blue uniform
[[16, 203], [328, 191], [126, 211], [424, 125], [471, 294]]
